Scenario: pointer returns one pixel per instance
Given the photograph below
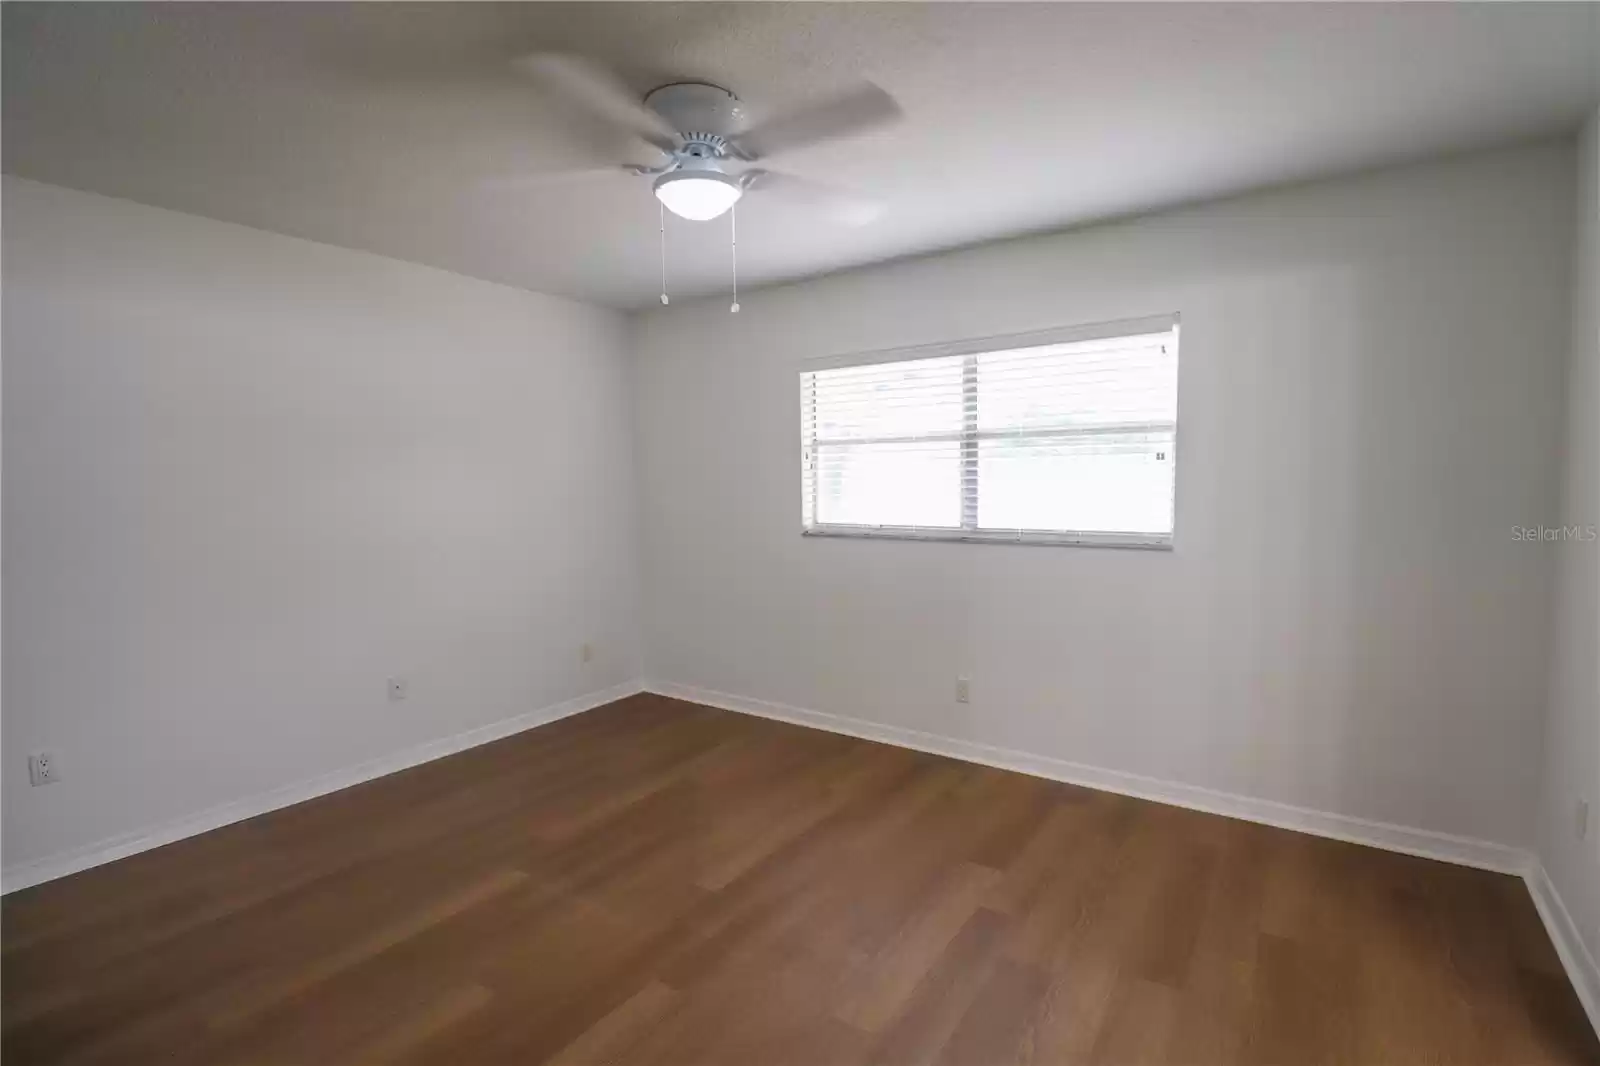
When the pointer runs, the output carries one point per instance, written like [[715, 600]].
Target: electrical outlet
[[42, 768], [586, 653], [1581, 827], [397, 689], [963, 689]]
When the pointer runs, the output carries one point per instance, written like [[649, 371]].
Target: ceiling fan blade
[[856, 111], [545, 178], [599, 91], [838, 204]]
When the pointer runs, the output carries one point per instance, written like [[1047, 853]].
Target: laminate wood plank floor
[[656, 882]]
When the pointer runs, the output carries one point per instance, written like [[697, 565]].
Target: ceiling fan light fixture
[[698, 195]]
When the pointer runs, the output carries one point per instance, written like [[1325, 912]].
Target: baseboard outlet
[[63, 863], [1464, 851], [1575, 956]]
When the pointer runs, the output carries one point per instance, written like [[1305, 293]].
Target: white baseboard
[[1575, 956], [63, 863], [1464, 851]]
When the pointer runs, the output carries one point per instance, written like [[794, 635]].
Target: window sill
[[1142, 541]]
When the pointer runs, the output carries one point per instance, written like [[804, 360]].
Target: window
[[1066, 437]]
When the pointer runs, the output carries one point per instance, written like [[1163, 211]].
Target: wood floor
[[657, 882]]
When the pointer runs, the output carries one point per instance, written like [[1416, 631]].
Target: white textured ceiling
[[386, 126]]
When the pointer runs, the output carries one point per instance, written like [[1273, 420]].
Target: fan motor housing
[[699, 111]]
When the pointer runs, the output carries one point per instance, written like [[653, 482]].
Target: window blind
[[1071, 441]]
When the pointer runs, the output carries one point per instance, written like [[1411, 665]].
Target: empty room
[[811, 534]]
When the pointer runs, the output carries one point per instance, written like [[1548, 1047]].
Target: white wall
[[1370, 403], [1572, 741], [247, 478]]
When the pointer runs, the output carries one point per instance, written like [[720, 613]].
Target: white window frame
[[970, 435]]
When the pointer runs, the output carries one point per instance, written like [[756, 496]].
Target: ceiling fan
[[700, 129]]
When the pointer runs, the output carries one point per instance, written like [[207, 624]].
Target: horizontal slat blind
[[1071, 441]]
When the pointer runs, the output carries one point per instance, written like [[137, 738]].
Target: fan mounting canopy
[[698, 107]]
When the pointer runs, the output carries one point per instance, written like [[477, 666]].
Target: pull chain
[[733, 224], [663, 253]]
